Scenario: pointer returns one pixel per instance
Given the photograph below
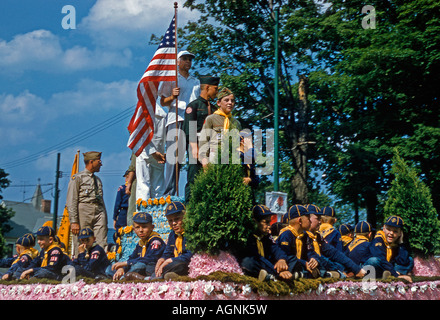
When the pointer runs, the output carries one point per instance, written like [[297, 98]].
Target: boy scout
[[346, 230], [331, 261], [261, 257], [142, 262], [195, 116], [328, 232], [85, 201], [176, 257], [293, 238], [216, 126], [51, 259], [26, 253], [92, 260], [388, 253], [359, 248]]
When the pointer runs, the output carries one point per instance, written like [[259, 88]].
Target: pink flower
[[205, 264]]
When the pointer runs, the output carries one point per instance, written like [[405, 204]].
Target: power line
[[73, 140]]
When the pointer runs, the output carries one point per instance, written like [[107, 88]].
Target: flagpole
[[177, 101]]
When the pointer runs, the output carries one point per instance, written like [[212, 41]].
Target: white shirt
[[189, 91]]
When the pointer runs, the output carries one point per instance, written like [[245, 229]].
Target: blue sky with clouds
[[63, 90]]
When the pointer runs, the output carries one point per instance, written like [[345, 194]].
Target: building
[[28, 216]]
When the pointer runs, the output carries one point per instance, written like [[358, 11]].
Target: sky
[[69, 70]]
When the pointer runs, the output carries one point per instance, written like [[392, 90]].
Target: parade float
[[214, 273]]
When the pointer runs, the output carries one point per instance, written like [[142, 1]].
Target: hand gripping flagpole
[[177, 102]]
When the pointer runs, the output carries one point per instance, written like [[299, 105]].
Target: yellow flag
[[64, 229]]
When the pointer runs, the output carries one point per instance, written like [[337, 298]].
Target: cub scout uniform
[[50, 262]]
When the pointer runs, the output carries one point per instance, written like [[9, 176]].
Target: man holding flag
[[163, 68], [188, 90]]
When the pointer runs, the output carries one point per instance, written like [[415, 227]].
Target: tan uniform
[[212, 135], [85, 204]]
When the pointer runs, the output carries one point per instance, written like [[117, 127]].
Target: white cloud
[[118, 23], [41, 50], [26, 116]]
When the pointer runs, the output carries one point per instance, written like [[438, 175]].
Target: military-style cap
[[260, 212], [394, 221], [31, 238], [213, 81], [92, 155], [295, 211], [328, 211], [223, 92], [313, 209], [363, 227], [184, 53], [345, 229], [142, 217], [86, 233], [46, 231], [25, 242], [174, 207]]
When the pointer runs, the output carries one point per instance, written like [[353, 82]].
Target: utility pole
[[55, 203], [275, 113]]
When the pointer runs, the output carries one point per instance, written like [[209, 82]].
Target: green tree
[[375, 89], [410, 198], [219, 211], [5, 214]]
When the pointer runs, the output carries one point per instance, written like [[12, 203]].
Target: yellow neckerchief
[[46, 254], [31, 252], [144, 244], [260, 246], [358, 239], [316, 246], [381, 234], [346, 239], [227, 117], [325, 229], [298, 241], [178, 245]]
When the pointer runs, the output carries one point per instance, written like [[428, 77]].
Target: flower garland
[[217, 290], [205, 264]]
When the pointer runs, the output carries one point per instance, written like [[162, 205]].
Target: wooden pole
[[177, 101]]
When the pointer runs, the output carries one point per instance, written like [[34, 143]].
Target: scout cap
[[184, 53], [213, 81], [142, 217], [345, 229], [223, 93], [328, 211], [92, 155], [174, 207], [363, 227], [313, 209], [85, 233], [260, 212], [46, 231], [394, 221], [25, 242], [31, 238], [295, 211]]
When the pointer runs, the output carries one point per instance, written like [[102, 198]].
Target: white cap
[[185, 53]]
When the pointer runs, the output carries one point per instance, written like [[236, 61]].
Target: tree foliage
[[410, 199], [5, 213], [218, 214], [370, 89]]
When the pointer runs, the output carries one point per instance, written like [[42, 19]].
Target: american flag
[[161, 68]]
